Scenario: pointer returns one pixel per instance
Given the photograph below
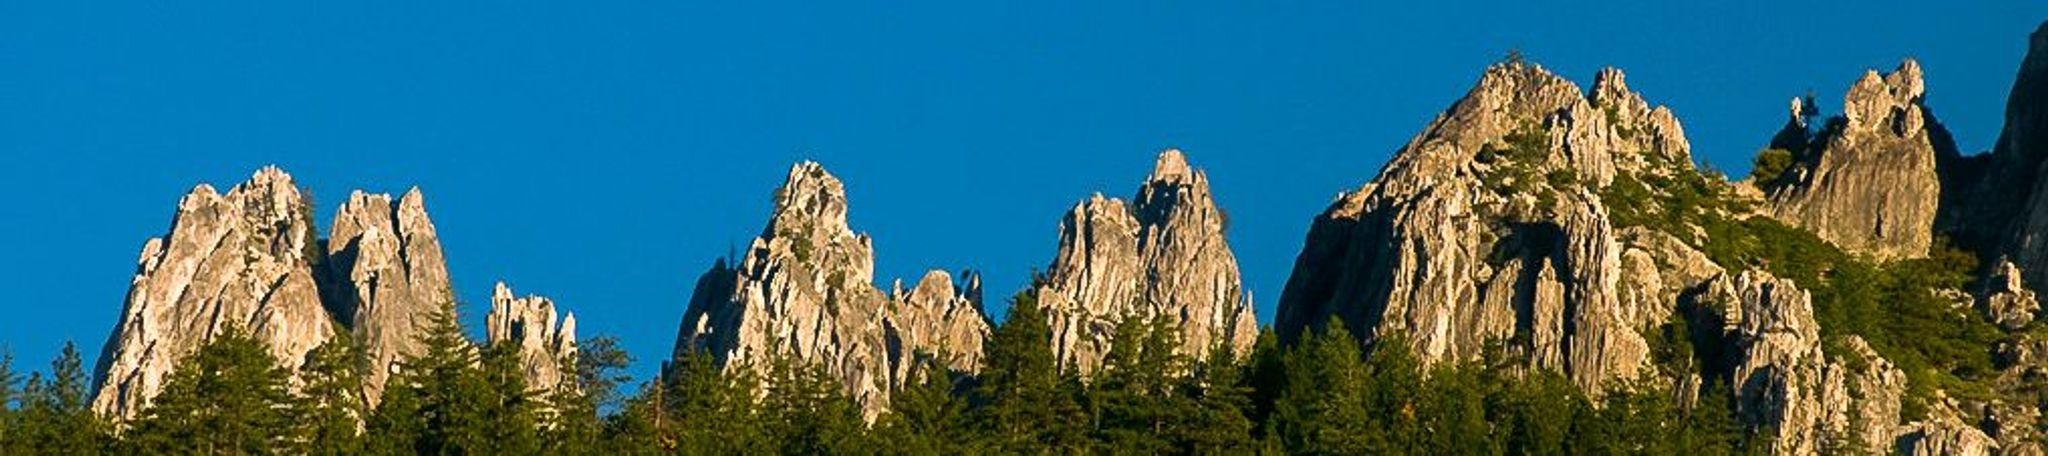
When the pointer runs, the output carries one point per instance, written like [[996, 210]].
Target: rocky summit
[[1866, 180], [250, 260], [805, 290], [390, 277], [1489, 226], [1160, 258], [241, 261], [530, 323]]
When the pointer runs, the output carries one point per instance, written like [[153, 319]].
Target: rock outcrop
[[390, 278], [530, 323], [1162, 258], [805, 289], [1868, 181], [245, 260], [1489, 226], [1786, 384], [2006, 298]]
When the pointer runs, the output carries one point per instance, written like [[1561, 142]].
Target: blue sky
[[603, 153]]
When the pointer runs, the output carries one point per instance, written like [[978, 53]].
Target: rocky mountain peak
[[805, 289], [1164, 257], [1891, 101], [1172, 166], [1490, 226], [390, 276], [530, 323], [243, 260], [1869, 181]]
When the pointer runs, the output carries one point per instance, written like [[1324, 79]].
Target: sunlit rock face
[[390, 277], [1867, 180], [530, 323], [1161, 257], [805, 289], [1489, 227], [245, 260]]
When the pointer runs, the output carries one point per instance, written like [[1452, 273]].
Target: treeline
[[1322, 395]]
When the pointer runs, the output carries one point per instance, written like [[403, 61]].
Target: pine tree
[[927, 416], [591, 381], [228, 398], [1451, 412], [331, 402], [8, 394], [440, 401], [1022, 405], [508, 421], [54, 418], [1395, 388], [806, 411], [705, 409], [1220, 422], [1137, 404], [1322, 405], [1535, 411]]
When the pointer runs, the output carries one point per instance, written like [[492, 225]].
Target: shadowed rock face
[[2017, 162], [530, 323], [245, 259], [806, 289], [1488, 226], [1161, 258], [1785, 384], [1868, 181], [390, 277]]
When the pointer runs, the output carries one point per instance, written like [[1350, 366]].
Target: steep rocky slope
[[805, 289], [1489, 227], [1162, 257], [1867, 181], [389, 277], [245, 259]]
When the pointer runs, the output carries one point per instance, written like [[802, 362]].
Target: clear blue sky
[[604, 153]]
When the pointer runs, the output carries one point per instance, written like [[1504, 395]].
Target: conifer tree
[[1220, 422], [8, 395], [438, 400], [1323, 403], [590, 381], [705, 409], [228, 398], [1022, 404], [806, 411], [54, 418], [927, 416], [331, 401]]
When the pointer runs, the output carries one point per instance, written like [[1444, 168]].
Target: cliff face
[[1868, 180], [1489, 226], [245, 259], [2017, 162], [806, 289], [530, 323], [1784, 383], [1161, 258], [390, 277]]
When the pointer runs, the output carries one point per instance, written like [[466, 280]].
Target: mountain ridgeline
[[1542, 269]]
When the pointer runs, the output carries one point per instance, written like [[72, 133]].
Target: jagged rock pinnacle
[[805, 289], [1164, 257]]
